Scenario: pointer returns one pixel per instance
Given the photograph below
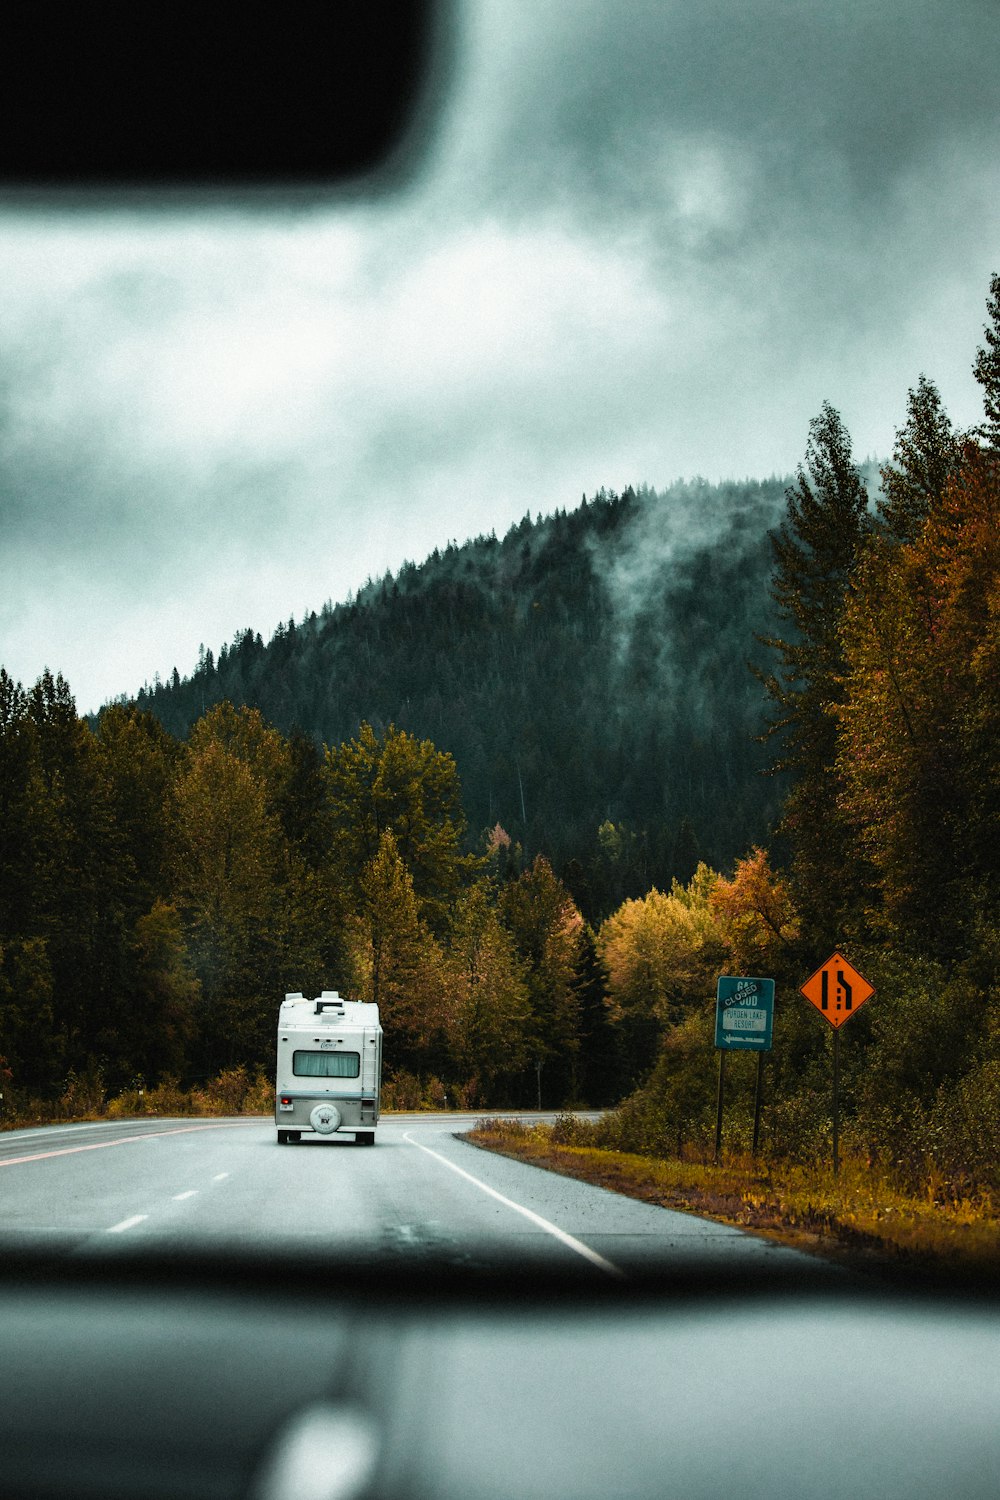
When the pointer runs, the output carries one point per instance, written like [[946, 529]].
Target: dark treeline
[[158, 896], [587, 670]]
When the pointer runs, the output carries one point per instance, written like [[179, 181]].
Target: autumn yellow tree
[[492, 1008], [756, 916], [225, 854], [662, 954], [227, 864], [397, 963], [400, 783]]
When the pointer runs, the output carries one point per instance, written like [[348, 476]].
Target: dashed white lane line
[[127, 1224], [135, 1219], [560, 1234]]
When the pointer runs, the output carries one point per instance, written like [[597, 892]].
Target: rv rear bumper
[[355, 1113]]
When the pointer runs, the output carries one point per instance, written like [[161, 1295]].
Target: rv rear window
[[326, 1064]]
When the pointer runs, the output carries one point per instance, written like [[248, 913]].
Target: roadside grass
[[860, 1218]]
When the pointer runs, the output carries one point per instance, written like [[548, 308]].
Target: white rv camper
[[329, 1068]]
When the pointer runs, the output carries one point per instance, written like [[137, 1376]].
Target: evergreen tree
[[80, 875], [139, 760], [927, 452], [303, 805], [602, 1068], [987, 367], [815, 550], [547, 929], [162, 1018], [33, 1038], [919, 719], [21, 812]]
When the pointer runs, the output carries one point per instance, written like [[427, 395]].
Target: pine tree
[[547, 928], [921, 713], [138, 759], [20, 810], [815, 550], [927, 452], [80, 877], [987, 367]]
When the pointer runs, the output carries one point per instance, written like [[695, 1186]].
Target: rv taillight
[[286, 1098]]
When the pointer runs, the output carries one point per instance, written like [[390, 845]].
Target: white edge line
[[191, 1193], [127, 1224], [553, 1229]]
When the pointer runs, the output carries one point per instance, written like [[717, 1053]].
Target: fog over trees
[[587, 671]]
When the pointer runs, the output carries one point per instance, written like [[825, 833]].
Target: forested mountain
[[588, 673]]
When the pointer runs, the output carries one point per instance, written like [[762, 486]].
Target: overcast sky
[[649, 239]]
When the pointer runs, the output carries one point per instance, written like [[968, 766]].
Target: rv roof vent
[[295, 995], [329, 1000]]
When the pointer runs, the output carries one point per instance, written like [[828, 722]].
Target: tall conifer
[[987, 367], [927, 452], [815, 550]]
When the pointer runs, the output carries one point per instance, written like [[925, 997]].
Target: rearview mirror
[[158, 95]]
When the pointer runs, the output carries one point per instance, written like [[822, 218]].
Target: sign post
[[744, 1022], [718, 1107], [838, 992], [757, 1096]]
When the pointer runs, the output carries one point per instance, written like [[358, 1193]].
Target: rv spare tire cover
[[325, 1118]]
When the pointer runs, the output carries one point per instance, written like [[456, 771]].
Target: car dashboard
[[218, 1378]]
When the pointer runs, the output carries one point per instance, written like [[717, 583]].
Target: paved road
[[420, 1192]]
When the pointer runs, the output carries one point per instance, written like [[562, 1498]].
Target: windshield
[[515, 652]]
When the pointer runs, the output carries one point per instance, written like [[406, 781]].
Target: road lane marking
[[127, 1224], [220, 1176], [560, 1234], [30, 1130], [191, 1193], [125, 1140]]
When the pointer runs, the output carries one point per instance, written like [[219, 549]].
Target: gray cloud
[[651, 239], [820, 98]]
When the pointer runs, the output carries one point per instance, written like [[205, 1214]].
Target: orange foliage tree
[[756, 915]]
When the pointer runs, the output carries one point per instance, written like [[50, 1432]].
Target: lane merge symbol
[[837, 990]]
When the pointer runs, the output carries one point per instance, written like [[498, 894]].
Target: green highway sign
[[744, 1014]]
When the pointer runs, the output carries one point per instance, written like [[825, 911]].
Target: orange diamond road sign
[[837, 990]]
